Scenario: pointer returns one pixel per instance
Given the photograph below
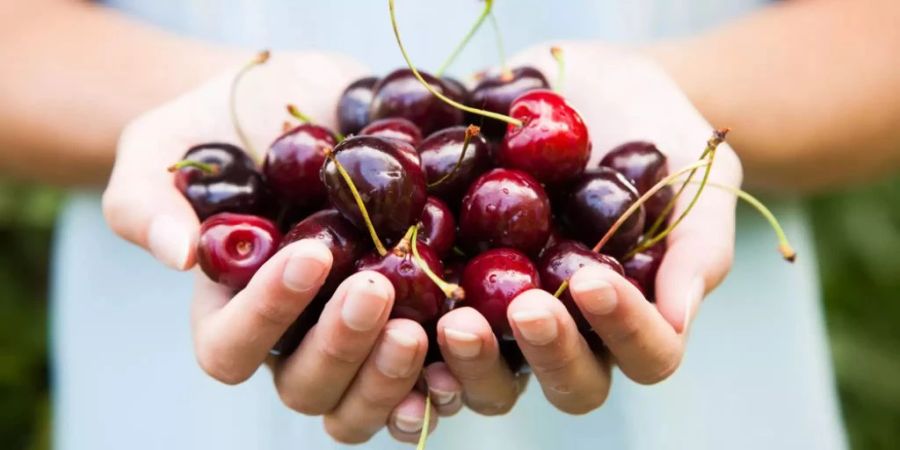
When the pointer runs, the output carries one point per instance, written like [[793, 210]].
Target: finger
[[645, 346], [313, 379], [444, 388], [386, 378], [408, 418], [571, 376], [232, 338], [473, 356]]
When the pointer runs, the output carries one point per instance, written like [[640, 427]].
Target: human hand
[[356, 367], [622, 97]]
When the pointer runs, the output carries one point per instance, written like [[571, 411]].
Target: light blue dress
[[756, 376]]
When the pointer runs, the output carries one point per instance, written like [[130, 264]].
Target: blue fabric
[[756, 374]]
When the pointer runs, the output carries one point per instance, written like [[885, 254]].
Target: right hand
[[356, 367]]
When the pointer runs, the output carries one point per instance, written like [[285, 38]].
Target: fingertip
[[172, 241]]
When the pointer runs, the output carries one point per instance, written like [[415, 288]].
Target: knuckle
[[663, 370], [490, 406], [298, 400], [343, 433], [342, 352], [554, 363], [584, 402], [626, 332], [220, 368], [275, 311]]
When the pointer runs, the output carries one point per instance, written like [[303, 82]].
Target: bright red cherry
[[552, 144], [293, 163], [394, 128], [493, 279], [644, 165], [353, 106], [440, 154], [496, 93], [505, 208], [438, 226], [400, 94], [643, 267], [232, 247]]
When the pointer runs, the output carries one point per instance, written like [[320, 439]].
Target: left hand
[[622, 97]]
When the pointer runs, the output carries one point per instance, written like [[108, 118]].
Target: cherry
[[394, 128], [448, 175], [552, 144], [455, 89], [644, 165], [438, 226], [232, 247], [353, 106], [493, 279], [416, 296], [390, 184], [497, 92], [643, 267], [560, 262], [595, 202], [505, 208], [293, 163], [218, 177], [399, 94]]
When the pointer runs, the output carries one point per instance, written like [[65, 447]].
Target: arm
[[811, 89], [75, 74]]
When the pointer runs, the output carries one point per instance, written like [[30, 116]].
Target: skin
[[833, 93]]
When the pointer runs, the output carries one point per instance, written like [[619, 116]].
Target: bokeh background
[[857, 233]]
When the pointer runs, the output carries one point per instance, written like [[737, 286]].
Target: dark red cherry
[[293, 163], [400, 94], [552, 144], [596, 202], [644, 165], [416, 297], [505, 208], [440, 153], [438, 226], [497, 92], [232, 247], [389, 181], [295, 333], [353, 106], [493, 279], [643, 267], [561, 261], [233, 185], [456, 90], [394, 128], [513, 356]]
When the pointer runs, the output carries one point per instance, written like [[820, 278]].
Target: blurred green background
[[858, 239]]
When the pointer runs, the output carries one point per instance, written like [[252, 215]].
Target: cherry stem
[[423, 436], [295, 112], [209, 169], [557, 54], [488, 4], [501, 49], [442, 97], [471, 131], [260, 59], [453, 291], [709, 154], [379, 246]]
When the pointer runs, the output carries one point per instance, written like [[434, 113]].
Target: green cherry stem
[[560, 59], [471, 132], [379, 246], [208, 169], [452, 291], [444, 98], [260, 59], [295, 112], [488, 4], [423, 436]]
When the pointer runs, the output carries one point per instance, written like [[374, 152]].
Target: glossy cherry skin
[[232, 247], [560, 262], [235, 186], [353, 106], [438, 226], [456, 89], [388, 179], [440, 153], [505, 208], [552, 144], [496, 93], [493, 279], [644, 165], [596, 202], [399, 94], [643, 267], [416, 297], [293, 163], [394, 128]]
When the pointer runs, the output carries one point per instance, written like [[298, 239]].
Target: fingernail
[[537, 326], [169, 241], [307, 267], [364, 304], [442, 398], [408, 424], [396, 354], [598, 297], [461, 344], [694, 296]]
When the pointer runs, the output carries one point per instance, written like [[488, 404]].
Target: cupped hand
[[622, 97], [356, 367]]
